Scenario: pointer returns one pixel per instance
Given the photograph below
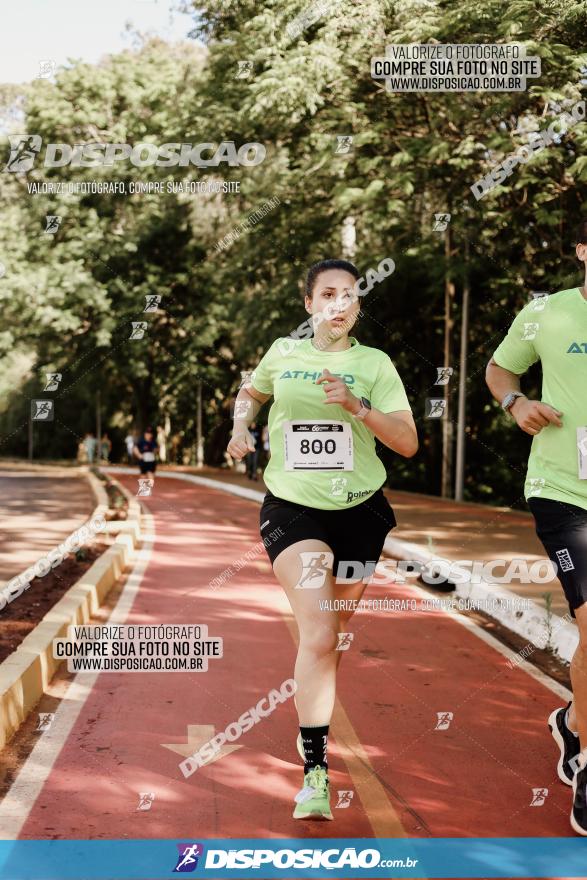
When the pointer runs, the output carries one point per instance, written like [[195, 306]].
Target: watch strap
[[510, 399], [363, 411]]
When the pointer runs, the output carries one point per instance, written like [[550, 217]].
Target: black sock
[[315, 740]]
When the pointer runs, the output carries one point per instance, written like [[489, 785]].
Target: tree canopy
[[294, 77]]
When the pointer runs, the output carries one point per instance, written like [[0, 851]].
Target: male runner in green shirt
[[553, 330]]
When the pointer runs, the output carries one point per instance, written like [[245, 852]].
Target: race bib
[[582, 452], [318, 445], [148, 456]]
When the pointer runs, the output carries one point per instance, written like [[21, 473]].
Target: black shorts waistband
[[269, 496]]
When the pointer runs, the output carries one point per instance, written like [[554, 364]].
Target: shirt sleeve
[[262, 375], [388, 394], [517, 351]]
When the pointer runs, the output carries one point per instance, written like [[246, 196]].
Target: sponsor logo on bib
[[352, 496]]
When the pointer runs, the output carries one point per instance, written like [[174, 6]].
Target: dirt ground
[[21, 616]]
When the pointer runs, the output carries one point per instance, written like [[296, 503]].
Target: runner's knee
[[581, 621], [580, 655], [320, 639]]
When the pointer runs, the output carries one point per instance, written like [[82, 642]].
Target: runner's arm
[[501, 382], [250, 401], [396, 430], [530, 415]]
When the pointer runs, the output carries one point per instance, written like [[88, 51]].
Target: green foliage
[[70, 298]]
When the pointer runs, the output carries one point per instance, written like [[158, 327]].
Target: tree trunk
[[447, 426], [462, 407]]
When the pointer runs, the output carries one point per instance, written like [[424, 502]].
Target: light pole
[[98, 429], [462, 413], [30, 432], [199, 438]]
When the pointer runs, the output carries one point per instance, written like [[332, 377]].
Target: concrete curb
[[532, 623], [25, 675], [98, 489]]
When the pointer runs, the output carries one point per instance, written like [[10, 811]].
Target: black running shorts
[[562, 528], [353, 534], [147, 467]]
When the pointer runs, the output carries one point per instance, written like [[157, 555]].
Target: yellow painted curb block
[[26, 674], [97, 487]]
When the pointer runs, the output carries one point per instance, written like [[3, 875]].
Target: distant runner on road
[[553, 330], [324, 508], [146, 451]]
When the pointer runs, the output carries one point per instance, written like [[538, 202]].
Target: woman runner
[[332, 397]]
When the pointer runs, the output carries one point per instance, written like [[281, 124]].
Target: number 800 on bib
[[317, 445]]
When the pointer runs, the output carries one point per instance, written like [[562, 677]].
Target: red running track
[[408, 778]]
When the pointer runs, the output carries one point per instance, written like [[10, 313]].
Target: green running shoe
[[313, 801]]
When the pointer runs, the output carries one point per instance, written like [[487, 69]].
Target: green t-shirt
[[553, 330], [289, 370]]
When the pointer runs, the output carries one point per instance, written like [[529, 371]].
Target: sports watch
[[365, 408], [509, 400]]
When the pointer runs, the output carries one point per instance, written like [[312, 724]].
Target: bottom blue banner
[[291, 858]]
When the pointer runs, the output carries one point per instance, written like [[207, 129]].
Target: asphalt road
[[39, 507], [435, 733]]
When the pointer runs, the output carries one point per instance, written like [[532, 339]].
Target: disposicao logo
[[187, 860], [25, 148]]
